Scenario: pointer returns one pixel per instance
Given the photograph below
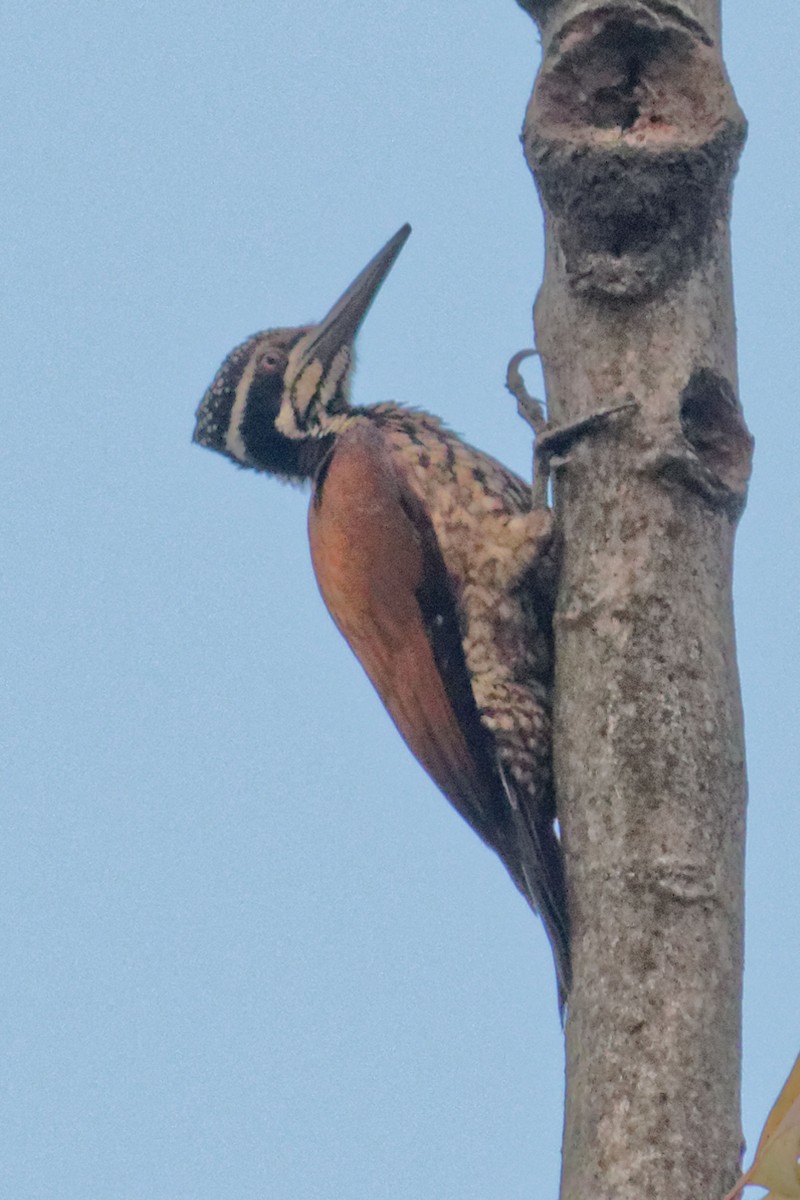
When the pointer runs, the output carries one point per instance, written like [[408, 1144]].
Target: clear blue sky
[[248, 950]]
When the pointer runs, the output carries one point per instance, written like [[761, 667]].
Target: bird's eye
[[270, 362]]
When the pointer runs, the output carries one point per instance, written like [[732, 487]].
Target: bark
[[633, 135]]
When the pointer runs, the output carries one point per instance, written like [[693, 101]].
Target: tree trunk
[[633, 135]]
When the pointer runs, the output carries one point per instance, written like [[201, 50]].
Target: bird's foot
[[528, 407], [552, 441]]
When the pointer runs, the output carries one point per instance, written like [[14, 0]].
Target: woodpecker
[[435, 564]]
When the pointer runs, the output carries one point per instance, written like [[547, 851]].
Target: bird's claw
[[552, 441], [529, 408]]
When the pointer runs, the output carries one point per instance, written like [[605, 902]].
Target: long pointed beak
[[342, 323]]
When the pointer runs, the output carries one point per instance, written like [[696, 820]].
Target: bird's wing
[[385, 584], [384, 581]]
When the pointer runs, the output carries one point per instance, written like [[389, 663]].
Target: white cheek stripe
[[311, 391], [336, 374], [305, 388], [309, 400], [234, 443]]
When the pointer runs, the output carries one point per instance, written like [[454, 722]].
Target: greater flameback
[[434, 564]]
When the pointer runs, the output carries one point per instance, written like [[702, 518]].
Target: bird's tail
[[539, 874]]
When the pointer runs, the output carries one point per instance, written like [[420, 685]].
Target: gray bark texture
[[633, 135]]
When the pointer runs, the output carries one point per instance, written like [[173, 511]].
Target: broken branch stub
[[633, 134]]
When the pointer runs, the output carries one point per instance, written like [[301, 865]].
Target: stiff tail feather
[[539, 875]]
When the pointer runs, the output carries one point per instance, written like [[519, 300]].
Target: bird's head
[[280, 397]]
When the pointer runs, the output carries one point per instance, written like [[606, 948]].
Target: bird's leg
[[532, 411], [529, 408], [552, 441]]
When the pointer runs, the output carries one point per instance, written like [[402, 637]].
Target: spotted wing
[[383, 579]]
